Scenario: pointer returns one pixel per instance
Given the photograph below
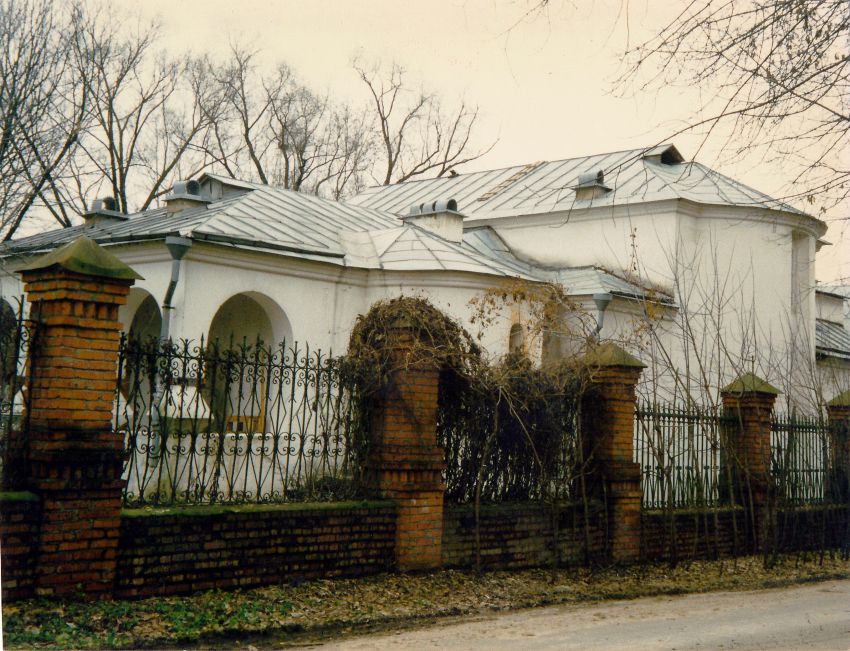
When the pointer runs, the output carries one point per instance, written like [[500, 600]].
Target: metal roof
[[305, 226], [296, 225], [411, 248], [577, 281], [831, 339], [635, 176], [270, 218]]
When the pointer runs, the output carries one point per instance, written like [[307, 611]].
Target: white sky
[[543, 83]]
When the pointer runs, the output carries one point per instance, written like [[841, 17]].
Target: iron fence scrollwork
[[205, 423]]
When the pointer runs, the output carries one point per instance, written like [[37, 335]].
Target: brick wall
[[697, 535], [20, 514], [171, 551], [517, 535], [727, 531]]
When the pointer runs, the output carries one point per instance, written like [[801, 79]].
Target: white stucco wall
[[743, 277]]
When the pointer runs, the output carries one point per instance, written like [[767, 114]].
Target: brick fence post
[[608, 423], [74, 456], [405, 464], [749, 401], [838, 411]]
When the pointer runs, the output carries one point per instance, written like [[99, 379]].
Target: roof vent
[[185, 194], [591, 185], [104, 210], [440, 217], [432, 207], [664, 154]]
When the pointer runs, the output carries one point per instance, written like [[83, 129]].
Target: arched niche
[[8, 341], [141, 317], [243, 320], [247, 316], [516, 338]]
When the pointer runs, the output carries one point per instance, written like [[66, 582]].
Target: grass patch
[[293, 614]]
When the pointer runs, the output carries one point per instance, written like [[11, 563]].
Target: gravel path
[[813, 616]]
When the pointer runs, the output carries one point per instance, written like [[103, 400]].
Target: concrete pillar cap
[[84, 256], [751, 383], [841, 400], [610, 354]]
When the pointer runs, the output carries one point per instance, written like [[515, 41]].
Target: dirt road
[[813, 616]]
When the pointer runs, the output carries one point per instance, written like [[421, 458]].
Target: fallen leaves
[[327, 606]]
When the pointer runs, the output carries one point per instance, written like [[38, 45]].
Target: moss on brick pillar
[[74, 457], [405, 463], [838, 410], [608, 413], [749, 402]]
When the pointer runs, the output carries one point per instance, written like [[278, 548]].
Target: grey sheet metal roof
[[410, 248], [266, 217], [635, 176], [295, 224], [831, 339], [305, 226], [577, 281]]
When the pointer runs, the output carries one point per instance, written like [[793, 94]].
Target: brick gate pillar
[[838, 410], [405, 463], [749, 401], [608, 412], [74, 456]]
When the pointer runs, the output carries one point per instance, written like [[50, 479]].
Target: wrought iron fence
[[246, 423], [800, 457], [533, 451], [679, 452], [15, 343]]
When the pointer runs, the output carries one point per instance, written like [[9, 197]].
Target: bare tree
[[283, 133], [44, 101], [417, 135], [781, 71], [148, 111]]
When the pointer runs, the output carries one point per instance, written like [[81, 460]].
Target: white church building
[[700, 275]]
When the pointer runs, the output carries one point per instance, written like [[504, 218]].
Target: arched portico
[[141, 317], [248, 316], [242, 321]]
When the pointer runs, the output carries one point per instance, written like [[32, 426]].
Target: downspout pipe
[[178, 247], [602, 301]]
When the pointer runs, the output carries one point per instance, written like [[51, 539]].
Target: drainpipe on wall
[[177, 246]]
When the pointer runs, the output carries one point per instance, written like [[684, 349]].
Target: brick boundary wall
[[20, 516], [519, 535], [179, 551], [705, 535]]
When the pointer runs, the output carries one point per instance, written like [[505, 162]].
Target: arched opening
[[252, 327], [12, 361], [516, 339], [147, 321], [247, 317]]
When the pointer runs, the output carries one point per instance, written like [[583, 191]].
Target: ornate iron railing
[[533, 451], [16, 342], [800, 457], [247, 423], [679, 452]]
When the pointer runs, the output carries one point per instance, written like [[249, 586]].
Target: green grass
[[39, 623]]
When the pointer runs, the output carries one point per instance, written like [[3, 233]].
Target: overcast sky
[[543, 81]]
